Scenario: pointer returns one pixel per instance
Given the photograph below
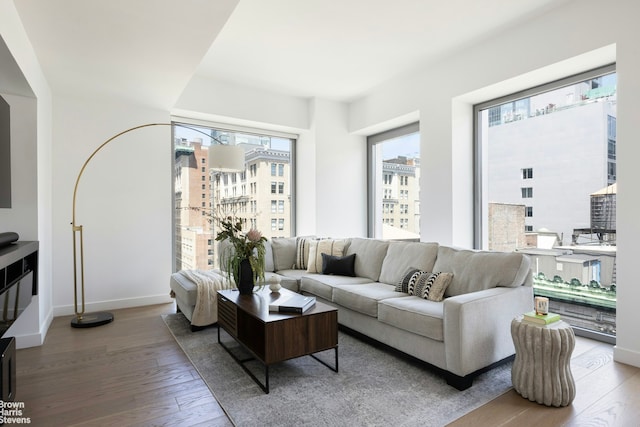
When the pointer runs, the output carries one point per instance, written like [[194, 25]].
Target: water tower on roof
[[603, 216]]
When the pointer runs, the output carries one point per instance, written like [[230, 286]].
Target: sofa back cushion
[[479, 270], [284, 253], [369, 256], [269, 266], [402, 255]]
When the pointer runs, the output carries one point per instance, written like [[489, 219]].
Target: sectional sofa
[[458, 321]]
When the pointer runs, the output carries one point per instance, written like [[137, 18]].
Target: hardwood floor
[[607, 394], [132, 373], [129, 372]]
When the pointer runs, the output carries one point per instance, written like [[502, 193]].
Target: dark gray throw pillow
[[339, 265]]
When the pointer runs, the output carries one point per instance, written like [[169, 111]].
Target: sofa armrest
[[477, 326]]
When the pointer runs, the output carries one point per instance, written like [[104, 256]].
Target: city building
[[533, 161], [193, 237], [261, 195], [506, 227], [400, 200]]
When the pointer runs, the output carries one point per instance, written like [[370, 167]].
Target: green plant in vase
[[245, 259]]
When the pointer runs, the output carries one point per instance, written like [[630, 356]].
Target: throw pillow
[[284, 252], [439, 286], [339, 265], [410, 276], [302, 252], [319, 247], [430, 286]]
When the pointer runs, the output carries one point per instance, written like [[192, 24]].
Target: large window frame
[[479, 225], [249, 172], [375, 176], [481, 188]]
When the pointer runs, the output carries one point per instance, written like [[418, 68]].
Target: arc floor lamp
[[222, 157]]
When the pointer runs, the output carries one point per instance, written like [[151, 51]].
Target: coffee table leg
[[241, 362], [334, 369]]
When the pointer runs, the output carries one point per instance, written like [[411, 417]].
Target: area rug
[[374, 386]]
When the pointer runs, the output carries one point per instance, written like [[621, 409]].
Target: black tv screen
[[5, 154]]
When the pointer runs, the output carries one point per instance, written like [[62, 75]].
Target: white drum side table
[[541, 371]]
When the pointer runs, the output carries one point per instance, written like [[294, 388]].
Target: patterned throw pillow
[[430, 286], [409, 277], [302, 252], [319, 247]]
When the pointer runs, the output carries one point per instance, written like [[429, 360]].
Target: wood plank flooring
[[128, 373], [607, 394], [132, 373]]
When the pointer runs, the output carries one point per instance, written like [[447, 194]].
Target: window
[[245, 194], [566, 131], [394, 175]]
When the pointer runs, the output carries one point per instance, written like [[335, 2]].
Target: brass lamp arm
[[99, 318]]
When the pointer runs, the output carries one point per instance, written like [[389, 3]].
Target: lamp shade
[[226, 158]]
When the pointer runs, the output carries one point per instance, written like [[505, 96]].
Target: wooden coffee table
[[275, 337]]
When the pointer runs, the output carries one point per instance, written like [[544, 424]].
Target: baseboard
[[36, 339], [67, 310], [626, 356]]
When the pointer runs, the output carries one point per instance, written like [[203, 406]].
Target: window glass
[[547, 181], [249, 194], [394, 184]]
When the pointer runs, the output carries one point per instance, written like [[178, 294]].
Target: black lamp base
[[92, 320]]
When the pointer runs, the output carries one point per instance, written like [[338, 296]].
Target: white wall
[[31, 214], [227, 102], [124, 203], [628, 153], [571, 39], [340, 173], [331, 161]]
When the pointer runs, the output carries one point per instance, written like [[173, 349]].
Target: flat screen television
[[5, 154]]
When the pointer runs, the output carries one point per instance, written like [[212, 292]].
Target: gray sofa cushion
[[268, 257], [185, 289], [479, 270], [369, 256], [284, 253], [402, 255], [322, 285], [415, 315], [364, 298]]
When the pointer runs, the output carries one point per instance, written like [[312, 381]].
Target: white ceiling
[[147, 50]]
